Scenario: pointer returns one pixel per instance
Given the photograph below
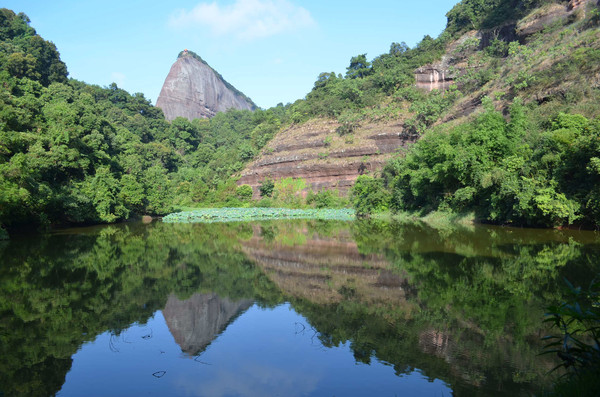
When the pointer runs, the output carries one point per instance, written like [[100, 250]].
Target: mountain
[[194, 90], [73, 153]]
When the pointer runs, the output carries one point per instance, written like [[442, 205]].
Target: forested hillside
[[528, 150], [506, 101], [71, 152]]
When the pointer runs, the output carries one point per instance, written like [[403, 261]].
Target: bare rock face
[[442, 74], [433, 77], [196, 322], [315, 151], [195, 90]]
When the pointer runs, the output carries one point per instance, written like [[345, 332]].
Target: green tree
[[359, 67], [266, 187], [244, 192], [369, 195]]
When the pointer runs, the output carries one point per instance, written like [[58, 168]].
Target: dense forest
[[528, 154], [71, 152]]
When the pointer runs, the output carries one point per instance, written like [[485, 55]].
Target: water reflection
[[60, 291], [323, 268], [460, 305], [198, 320]]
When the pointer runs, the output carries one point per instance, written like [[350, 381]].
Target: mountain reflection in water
[[283, 307], [196, 321]]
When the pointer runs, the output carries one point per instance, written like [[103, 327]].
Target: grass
[[211, 215]]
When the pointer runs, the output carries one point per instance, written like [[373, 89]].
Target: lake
[[284, 308]]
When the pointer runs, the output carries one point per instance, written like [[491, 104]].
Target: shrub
[[289, 190], [266, 187], [322, 199], [264, 203], [244, 192], [349, 122], [369, 195]]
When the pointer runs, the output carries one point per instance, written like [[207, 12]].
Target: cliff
[[194, 90]]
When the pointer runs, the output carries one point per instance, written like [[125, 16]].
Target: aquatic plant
[[210, 215]]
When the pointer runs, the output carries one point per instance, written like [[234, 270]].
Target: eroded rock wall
[[315, 152]]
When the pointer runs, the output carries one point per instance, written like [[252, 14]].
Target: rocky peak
[[194, 90]]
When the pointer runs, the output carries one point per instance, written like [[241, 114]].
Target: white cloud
[[118, 78], [245, 19]]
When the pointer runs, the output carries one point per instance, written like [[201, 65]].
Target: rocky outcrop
[[441, 75], [197, 321], [542, 18], [194, 90], [434, 77], [550, 15], [315, 152]]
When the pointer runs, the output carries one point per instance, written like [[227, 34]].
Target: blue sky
[[272, 50]]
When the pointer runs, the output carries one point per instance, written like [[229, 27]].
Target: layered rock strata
[[194, 90], [315, 152]]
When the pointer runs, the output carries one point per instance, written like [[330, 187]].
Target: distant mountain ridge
[[194, 90]]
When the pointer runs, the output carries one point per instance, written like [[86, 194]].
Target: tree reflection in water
[[460, 304]]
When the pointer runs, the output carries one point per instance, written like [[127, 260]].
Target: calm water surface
[[283, 308]]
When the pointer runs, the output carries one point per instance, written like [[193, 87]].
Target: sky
[[271, 50]]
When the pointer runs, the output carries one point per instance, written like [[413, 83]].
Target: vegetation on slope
[[77, 153], [530, 156], [503, 171]]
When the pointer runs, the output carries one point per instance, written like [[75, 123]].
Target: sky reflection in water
[[264, 352]]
